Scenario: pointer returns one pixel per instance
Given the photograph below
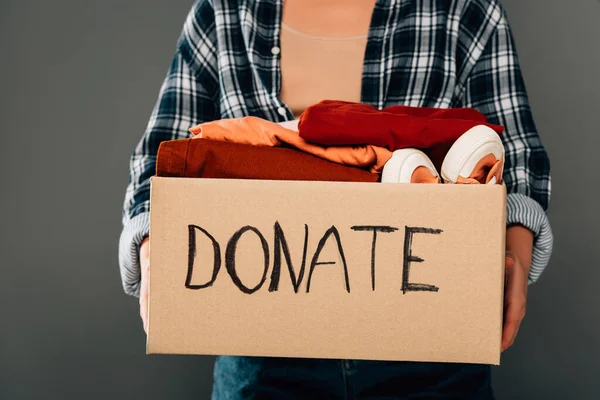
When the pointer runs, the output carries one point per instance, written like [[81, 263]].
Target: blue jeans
[[254, 378]]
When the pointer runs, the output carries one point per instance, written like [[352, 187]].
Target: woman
[[261, 58]]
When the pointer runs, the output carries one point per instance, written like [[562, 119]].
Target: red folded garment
[[205, 158], [433, 130]]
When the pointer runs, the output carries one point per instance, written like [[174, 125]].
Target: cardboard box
[[327, 269]]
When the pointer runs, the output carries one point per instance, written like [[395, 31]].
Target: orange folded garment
[[259, 132], [205, 158]]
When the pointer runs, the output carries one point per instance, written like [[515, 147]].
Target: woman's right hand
[[145, 271]]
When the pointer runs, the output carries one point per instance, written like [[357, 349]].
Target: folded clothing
[[205, 158], [259, 132], [432, 130]]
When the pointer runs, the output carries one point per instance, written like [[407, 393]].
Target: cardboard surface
[[434, 294]]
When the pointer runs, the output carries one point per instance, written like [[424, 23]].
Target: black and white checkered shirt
[[430, 53]]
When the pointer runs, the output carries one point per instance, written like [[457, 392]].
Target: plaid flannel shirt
[[429, 53]]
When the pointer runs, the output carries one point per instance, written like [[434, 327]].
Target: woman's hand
[[145, 271], [519, 247]]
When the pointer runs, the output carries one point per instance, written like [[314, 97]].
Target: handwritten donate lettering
[[280, 246]]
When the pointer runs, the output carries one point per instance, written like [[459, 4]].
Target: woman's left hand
[[515, 298]]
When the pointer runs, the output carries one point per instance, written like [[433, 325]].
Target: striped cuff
[[134, 231], [525, 211]]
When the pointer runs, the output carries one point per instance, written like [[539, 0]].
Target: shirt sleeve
[[188, 96], [495, 87]]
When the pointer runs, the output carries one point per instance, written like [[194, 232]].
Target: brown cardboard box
[[427, 287]]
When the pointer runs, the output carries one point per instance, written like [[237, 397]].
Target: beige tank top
[[323, 60]]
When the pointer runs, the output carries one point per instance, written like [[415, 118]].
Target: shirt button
[[282, 111], [275, 50]]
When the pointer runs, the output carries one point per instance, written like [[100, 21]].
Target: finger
[[144, 314], [509, 264], [515, 297], [512, 321], [144, 310], [509, 334], [144, 304], [510, 256]]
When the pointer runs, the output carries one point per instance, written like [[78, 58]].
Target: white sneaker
[[476, 157], [409, 166]]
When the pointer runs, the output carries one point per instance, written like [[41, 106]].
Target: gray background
[[78, 81]]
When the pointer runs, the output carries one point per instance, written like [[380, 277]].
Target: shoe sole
[[400, 168], [468, 150]]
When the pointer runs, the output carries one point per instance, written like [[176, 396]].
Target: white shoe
[[476, 157], [409, 166]]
